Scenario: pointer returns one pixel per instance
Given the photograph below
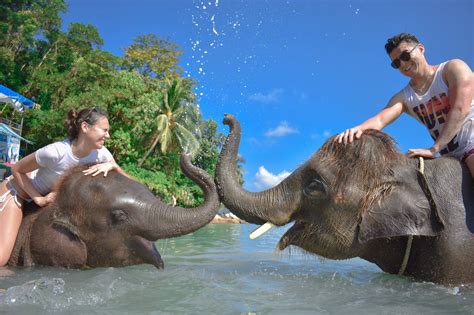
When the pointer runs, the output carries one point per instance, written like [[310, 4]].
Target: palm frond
[[187, 141]]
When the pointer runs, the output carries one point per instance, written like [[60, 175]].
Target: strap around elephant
[[429, 196], [406, 256]]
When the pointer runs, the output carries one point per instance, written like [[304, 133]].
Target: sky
[[293, 72]]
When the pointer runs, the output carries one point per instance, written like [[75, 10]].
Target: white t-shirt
[[57, 158]]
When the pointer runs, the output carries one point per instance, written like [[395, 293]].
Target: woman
[[34, 176]]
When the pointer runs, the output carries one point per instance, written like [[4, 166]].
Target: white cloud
[[325, 134], [281, 130], [264, 179], [271, 97]]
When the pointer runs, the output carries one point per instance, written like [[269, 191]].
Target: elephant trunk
[[274, 205], [165, 221]]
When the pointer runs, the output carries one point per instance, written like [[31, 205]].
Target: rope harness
[[403, 267]]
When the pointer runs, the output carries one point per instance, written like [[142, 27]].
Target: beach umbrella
[[18, 101]]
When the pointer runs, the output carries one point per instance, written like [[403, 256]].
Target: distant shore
[[224, 216]]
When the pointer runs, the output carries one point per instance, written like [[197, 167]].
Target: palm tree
[[177, 120]]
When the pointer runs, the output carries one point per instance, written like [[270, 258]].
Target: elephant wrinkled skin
[[108, 221], [365, 199]]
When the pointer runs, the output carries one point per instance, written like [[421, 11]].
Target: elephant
[[108, 221], [366, 199]]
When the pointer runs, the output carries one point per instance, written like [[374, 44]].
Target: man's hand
[[43, 201], [348, 135], [101, 168], [427, 153]]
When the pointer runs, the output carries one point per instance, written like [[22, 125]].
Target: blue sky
[[292, 72]]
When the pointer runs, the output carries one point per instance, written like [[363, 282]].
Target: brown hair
[[394, 41], [75, 118]]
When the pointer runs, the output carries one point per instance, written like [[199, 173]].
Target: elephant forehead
[[131, 199]]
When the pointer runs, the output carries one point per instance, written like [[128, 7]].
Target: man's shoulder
[[455, 68], [455, 64]]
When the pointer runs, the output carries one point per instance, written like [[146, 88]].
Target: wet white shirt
[[57, 158]]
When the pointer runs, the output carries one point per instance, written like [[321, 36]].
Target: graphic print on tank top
[[433, 114]]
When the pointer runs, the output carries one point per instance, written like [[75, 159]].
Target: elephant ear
[[406, 210], [62, 237], [64, 225]]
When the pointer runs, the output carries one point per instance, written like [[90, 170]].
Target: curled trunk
[[165, 221], [274, 205]]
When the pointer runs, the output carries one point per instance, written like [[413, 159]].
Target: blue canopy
[[4, 129], [18, 101]]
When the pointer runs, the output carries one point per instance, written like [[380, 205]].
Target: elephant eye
[[314, 187], [119, 216]]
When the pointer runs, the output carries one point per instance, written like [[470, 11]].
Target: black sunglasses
[[93, 109], [404, 56], [87, 116]]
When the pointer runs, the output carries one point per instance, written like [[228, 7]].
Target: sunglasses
[[93, 109], [88, 115], [404, 56]]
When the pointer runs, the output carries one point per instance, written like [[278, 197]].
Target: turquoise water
[[218, 270]]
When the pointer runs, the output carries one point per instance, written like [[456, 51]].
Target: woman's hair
[[75, 118]]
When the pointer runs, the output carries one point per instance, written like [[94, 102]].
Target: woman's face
[[97, 133]]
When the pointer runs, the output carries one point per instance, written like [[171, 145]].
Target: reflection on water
[[219, 270]]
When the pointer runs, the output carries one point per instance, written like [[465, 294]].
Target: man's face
[[415, 51]]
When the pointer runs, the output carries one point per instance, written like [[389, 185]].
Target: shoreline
[[227, 218]]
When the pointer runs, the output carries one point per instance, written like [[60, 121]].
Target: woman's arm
[[20, 171]]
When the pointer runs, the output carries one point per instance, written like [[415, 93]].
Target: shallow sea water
[[218, 270]]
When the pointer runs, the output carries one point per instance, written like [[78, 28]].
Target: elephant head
[[109, 221], [342, 198]]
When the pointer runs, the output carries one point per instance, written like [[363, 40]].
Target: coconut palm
[[177, 122]]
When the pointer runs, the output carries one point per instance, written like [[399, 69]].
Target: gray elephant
[[367, 200], [108, 221]]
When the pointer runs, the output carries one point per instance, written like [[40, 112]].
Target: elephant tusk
[[261, 230]]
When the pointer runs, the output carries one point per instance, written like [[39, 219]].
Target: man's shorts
[[465, 139]]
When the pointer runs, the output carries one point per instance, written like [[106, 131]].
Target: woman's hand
[[101, 168], [43, 201]]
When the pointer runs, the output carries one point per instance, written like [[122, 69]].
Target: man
[[441, 97]]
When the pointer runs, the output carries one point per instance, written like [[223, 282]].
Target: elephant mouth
[[293, 236], [146, 251]]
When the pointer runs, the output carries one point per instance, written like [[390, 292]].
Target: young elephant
[[108, 221], [367, 200]]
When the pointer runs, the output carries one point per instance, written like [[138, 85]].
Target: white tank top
[[432, 108], [57, 158]]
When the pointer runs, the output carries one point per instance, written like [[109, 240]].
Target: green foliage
[[152, 108], [153, 57]]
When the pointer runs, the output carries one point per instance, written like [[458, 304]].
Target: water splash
[[40, 291]]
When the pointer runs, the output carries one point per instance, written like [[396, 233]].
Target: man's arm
[[460, 80], [391, 112]]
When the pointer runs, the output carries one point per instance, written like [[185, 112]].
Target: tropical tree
[[177, 121], [153, 57]]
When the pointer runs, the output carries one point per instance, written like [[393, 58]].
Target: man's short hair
[[394, 41]]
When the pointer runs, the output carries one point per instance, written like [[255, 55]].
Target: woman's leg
[[10, 220]]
